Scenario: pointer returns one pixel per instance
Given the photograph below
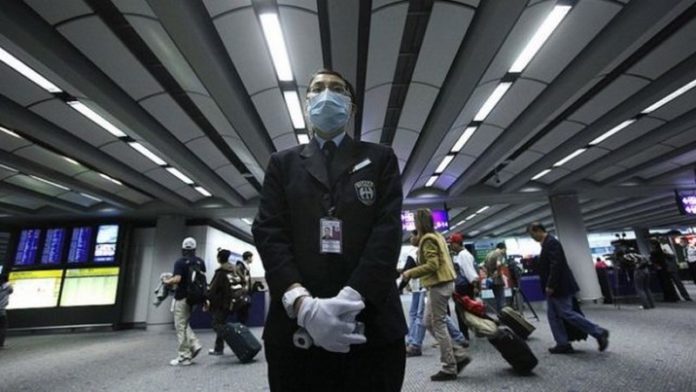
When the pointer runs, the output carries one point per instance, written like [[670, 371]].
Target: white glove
[[322, 318], [350, 294]]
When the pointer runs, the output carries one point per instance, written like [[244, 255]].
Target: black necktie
[[329, 150]]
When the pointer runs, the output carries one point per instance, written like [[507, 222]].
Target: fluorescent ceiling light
[[96, 118], [176, 173], [292, 100], [493, 100], [115, 181], [7, 131], [612, 131], [247, 221], [461, 222], [541, 174], [12, 169], [670, 97], [202, 191], [50, 183], [542, 34], [147, 153], [303, 138], [473, 233], [470, 217], [569, 157], [431, 181], [445, 161], [74, 162], [28, 73], [468, 132], [483, 209], [90, 196], [276, 44]]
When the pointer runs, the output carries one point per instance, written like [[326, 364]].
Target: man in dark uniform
[[559, 284], [330, 286]]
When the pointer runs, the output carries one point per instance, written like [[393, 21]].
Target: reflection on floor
[[649, 351]]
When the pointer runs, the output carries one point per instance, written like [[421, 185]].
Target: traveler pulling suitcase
[[516, 321], [515, 350], [242, 342]]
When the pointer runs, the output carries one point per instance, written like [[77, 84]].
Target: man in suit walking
[[558, 282], [328, 287]]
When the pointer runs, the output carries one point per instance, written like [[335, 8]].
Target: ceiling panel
[[50, 160], [517, 98], [217, 7], [632, 132], [304, 42], [271, 107], [18, 88], [376, 101], [231, 176], [523, 161], [684, 137], [127, 154], [386, 29], [34, 185], [65, 117], [170, 114], [310, 5], [677, 107], [585, 158], [53, 14], [134, 196], [95, 40], [247, 191], [11, 143], [94, 179], [21, 201], [404, 141], [134, 7], [165, 178], [76, 198], [674, 50], [479, 142], [611, 96], [555, 175], [417, 105], [285, 141], [645, 155], [189, 193], [561, 133], [206, 150], [606, 173]]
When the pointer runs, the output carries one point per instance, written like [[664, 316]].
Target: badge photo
[[366, 192]]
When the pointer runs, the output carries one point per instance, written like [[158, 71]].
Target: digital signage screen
[[686, 201], [440, 220], [105, 249], [53, 246], [80, 243], [35, 289], [89, 286], [27, 247]]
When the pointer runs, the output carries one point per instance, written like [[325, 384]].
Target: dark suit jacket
[[296, 194], [554, 271]]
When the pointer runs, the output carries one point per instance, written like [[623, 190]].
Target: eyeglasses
[[317, 88]]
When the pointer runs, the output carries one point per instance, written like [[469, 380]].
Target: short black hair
[[247, 255], [501, 245], [223, 255], [326, 71], [536, 226]]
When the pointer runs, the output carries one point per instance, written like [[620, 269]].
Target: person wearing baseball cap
[[465, 266]]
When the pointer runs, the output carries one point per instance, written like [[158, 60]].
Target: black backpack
[[197, 284], [461, 283]]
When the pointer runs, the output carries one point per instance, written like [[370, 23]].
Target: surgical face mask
[[328, 112]]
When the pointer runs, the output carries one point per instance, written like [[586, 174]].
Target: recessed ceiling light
[[540, 36], [612, 131], [202, 191], [303, 138], [74, 162], [276, 45], [670, 97], [28, 73], [470, 217], [147, 153], [541, 174], [484, 208], [96, 118], [12, 169], [292, 101], [431, 181], [444, 163], [11, 133], [90, 197], [115, 181], [176, 173], [569, 157], [492, 100], [50, 183], [468, 132]]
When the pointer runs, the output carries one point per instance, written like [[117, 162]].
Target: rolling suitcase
[[516, 321], [242, 342], [515, 350]]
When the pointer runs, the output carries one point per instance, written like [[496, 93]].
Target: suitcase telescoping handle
[[301, 338]]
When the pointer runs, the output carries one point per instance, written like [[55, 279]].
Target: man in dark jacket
[[326, 286], [558, 282], [219, 297]]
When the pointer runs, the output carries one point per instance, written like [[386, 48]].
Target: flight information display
[[35, 289], [80, 245], [27, 247], [53, 246], [89, 286], [105, 249]]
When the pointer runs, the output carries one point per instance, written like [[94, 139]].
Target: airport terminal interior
[[127, 126]]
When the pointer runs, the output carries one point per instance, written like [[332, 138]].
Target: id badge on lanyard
[[330, 235]]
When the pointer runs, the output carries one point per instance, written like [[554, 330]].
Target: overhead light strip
[[431, 181], [484, 208], [11, 133], [444, 163], [292, 100], [276, 45], [670, 97], [176, 173], [28, 72], [9, 168], [569, 157], [541, 174], [50, 182], [492, 100], [470, 217], [96, 118], [91, 197], [147, 153], [302, 138], [468, 133], [542, 34], [115, 181], [202, 191], [606, 135]]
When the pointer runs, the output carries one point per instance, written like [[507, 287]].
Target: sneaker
[[442, 376], [180, 362], [413, 351], [463, 343], [196, 350], [212, 351], [462, 364], [603, 340], [562, 349]]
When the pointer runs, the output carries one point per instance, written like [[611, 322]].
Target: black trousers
[[3, 329], [219, 319], [378, 369]]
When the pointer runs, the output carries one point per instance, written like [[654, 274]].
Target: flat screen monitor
[[27, 247], [53, 246], [89, 286], [35, 289], [80, 243], [107, 239], [440, 220], [686, 201]]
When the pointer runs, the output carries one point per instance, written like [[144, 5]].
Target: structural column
[[642, 235], [169, 233], [571, 231]]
